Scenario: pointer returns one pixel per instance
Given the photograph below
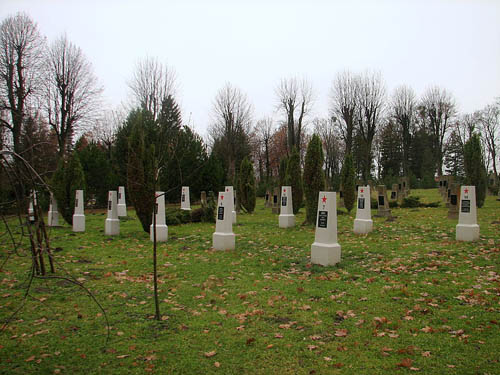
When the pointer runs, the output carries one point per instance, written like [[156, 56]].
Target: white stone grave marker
[[53, 214], [467, 228], [31, 206], [185, 202], [223, 237], [286, 217], [122, 204], [229, 189], [161, 225], [363, 223], [112, 225], [79, 215], [325, 250]]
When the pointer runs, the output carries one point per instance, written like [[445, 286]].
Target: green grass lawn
[[407, 298]]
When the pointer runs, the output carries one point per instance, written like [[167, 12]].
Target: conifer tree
[[348, 176], [294, 179], [475, 172], [314, 178], [246, 186]]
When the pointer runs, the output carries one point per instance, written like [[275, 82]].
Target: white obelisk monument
[[230, 190], [363, 223], [223, 237], [325, 250], [286, 218], [79, 215], [122, 204], [112, 225], [185, 202], [53, 214], [467, 228], [161, 225]]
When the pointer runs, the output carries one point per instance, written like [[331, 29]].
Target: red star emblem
[[284, 190], [323, 199], [466, 191], [362, 190], [222, 197]]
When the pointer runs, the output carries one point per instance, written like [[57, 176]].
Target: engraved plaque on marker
[[453, 200], [119, 195], [440, 183], [466, 205], [322, 219], [183, 198], [445, 183], [109, 205], [399, 186], [361, 203], [156, 208], [393, 195], [76, 202], [449, 193], [275, 199], [220, 213], [381, 200], [341, 194], [283, 201]]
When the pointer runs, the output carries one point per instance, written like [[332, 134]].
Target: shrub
[[349, 182], [314, 178]]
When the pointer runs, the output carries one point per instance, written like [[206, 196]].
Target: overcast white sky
[[253, 44]]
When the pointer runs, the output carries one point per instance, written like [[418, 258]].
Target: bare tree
[[404, 105], [437, 111], [232, 121], [295, 100], [105, 127], [152, 83], [332, 147], [72, 92], [344, 102], [264, 131], [372, 96], [21, 59], [490, 131]]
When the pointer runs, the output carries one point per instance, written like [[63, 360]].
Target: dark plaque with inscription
[[361, 203], [76, 202], [465, 205], [341, 194], [322, 219], [283, 201], [267, 197], [399, 186], [119, 195], [220, 213], [275, 199], [183, 199], [156, 208], [453, 200], [109, 205], [440, 183], [449, 193], [381, 200], [393, 195], [445, 183]]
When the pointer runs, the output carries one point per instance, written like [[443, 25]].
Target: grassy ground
[[406, 298]]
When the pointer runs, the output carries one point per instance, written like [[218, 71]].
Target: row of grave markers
[[324, 251]]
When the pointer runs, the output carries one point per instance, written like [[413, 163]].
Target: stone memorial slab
[[53, 214], [112, 224], [230, 190], [268, 199], [325, 250], [454, 200], [223, 237], [203, 199], [383, 203], [363, 223], [185, 200], [286, 218], [79, 214], [467, 228], [161, 225], [394, 192], [276, 201], [122, 205]]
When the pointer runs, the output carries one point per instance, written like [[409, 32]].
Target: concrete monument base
[[223, 241], [161, 233], [467, 232], [362, 226], [112, 227], [122, 210], [78, 223], [325, 254], [286, 221]]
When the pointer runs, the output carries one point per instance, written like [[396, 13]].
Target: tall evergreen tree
[[314, 178], [294, 179], [349, 182], [475, 171], [246, 186]]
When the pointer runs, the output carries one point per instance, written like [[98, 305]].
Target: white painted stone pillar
[[53, 214], [223, 237], [363, 223], [286, 218], [230, 190], [467, 228], [325, 250], [79, 215], [31, 206], [185, 202], [112, 225], [161, 224], [122, 204]]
